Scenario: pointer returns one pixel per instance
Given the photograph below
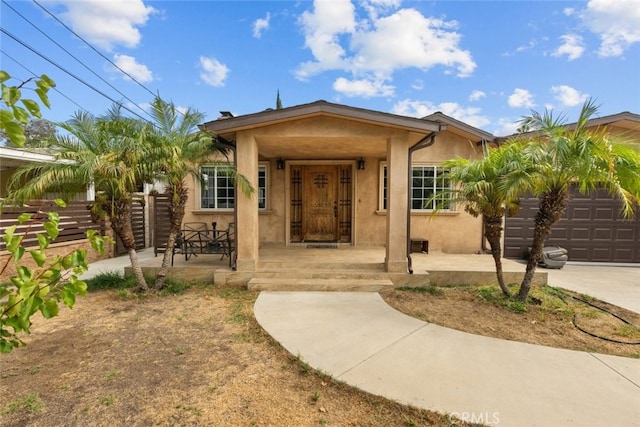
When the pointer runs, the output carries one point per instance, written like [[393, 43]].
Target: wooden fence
[[75, 220], [138, 224]]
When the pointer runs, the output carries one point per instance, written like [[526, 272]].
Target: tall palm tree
[[478, 186], [103, 152], [566, 156], [177, 148]]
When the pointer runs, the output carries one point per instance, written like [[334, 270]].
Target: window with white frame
[[218, 189], [430, 188]]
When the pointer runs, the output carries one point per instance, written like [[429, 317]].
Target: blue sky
[[486, 63]]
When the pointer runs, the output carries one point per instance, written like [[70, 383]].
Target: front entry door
[[320, 203]]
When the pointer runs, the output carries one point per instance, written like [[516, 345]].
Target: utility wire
[[93, 48], [71, 74], [35, 75], [71, 55]]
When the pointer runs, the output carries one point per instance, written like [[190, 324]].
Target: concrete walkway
[[359, 339], [615, 284]]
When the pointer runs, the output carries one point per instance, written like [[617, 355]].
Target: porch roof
[[334, 142], [229, 125]]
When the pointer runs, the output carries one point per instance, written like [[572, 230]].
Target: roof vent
[[226, 115]]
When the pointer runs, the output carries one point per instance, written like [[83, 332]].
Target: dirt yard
[[200, 359], [195, 359]]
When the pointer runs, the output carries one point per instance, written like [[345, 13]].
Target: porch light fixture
[[361, 164], [280, 163]]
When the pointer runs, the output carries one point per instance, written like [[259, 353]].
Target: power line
[[93, 48], [71, 55], [35, 75], [70, 73]]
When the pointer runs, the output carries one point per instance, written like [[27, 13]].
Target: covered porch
[[341, 268], [324, 166]]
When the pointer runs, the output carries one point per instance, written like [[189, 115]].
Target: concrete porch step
[[310, 273], [305, 264], [282, 283]]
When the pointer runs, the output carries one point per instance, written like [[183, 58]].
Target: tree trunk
[[121, 225], [178, 196], [551, 208], [493, 234]]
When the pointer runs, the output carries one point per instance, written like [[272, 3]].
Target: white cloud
[[572, 46], [521, 98], [363, 87], [617, 22], [568, 96], [382, 42], [469, 115], [107, 23], [408, 39], [322, 30], [417, 85], [213, 72], [128, 64], [476, 95], [505, 127], [260, 25]]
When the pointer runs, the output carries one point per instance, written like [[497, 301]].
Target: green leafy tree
[[36, 133], [278, 102], [106, 152], [177, 147], [566, 156], [479, 187], [53, 280], [16, 110]]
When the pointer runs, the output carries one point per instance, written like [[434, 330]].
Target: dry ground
[[195, 359], [199, 358]]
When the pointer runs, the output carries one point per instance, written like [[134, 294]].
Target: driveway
[[618, 285]]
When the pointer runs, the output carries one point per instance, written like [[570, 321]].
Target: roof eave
[[321, 108]]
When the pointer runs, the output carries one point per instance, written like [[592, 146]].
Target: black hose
[[575, 323], [561, 295]]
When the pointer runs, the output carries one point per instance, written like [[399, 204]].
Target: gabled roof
[[624, 120], [321, 108], [456, 126]]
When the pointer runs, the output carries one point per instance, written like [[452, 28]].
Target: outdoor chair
[[197, 238]]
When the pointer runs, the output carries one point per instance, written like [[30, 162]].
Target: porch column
[[397, 200], [247, 206]]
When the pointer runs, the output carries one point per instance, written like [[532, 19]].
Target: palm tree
[[564, 157], [104, 152], [178, 148], [478, 185]]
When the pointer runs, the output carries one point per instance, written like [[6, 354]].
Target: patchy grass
[[549, 317], [197, 357]]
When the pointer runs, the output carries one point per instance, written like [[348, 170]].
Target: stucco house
[[330, 173]]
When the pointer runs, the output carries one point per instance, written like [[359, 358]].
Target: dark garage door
[[591, 230]]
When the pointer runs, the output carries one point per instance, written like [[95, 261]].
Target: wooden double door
[[321, 203]]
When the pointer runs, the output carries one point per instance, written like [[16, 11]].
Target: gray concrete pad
[[618, 285], [311, 332], [116, 264], [359, 339]]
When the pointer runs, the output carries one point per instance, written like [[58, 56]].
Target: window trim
[[261, 166], [382, 189]]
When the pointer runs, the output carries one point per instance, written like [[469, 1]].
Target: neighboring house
[[329, 173], [12, 158], [591, 229]]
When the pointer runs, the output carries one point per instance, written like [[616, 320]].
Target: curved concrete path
[[357, 338]]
